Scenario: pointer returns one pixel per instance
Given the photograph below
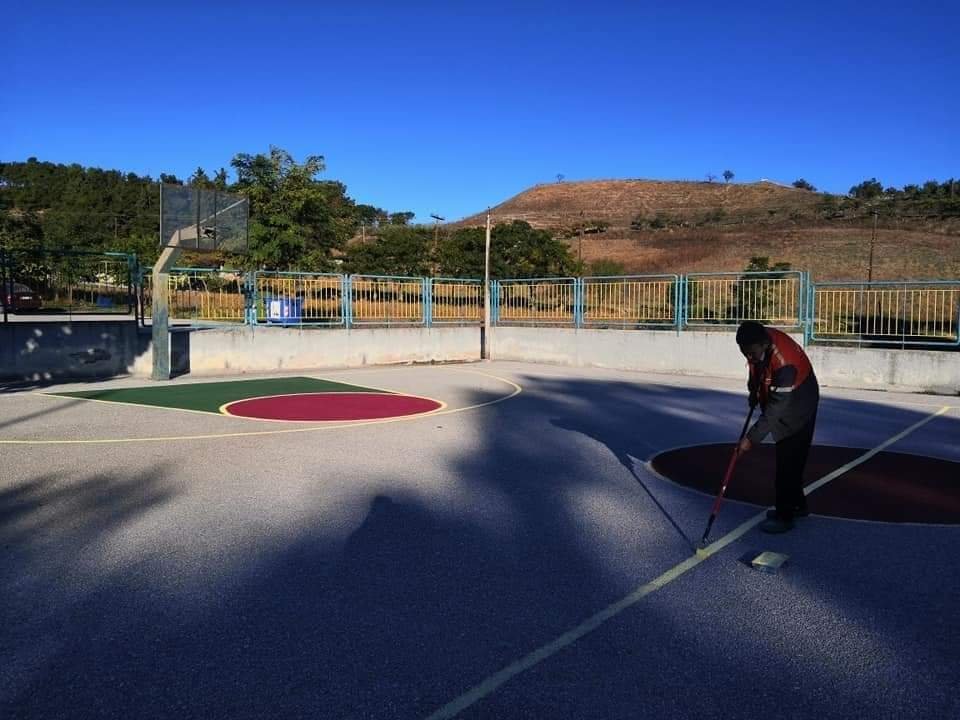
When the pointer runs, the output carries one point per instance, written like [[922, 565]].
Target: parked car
[[22, 298]]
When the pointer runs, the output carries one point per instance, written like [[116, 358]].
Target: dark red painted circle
[[318, 407], [889, 487]]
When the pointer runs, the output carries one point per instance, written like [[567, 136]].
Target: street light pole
[[436, 238], [485, 338]]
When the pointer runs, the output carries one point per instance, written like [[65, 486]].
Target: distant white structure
[[774, 182]]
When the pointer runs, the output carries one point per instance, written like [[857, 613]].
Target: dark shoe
[[776, 526], [797, 513]]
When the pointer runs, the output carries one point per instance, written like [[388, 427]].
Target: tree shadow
[[467, 557]]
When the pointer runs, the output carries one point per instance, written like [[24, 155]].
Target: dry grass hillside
[[655, 226]]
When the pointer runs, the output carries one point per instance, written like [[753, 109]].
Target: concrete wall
[[714, 354], [882, 369], [268, 349], [53, 350], [63, 350], [38, 351], [664, 351]]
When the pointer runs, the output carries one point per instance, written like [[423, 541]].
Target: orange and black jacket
[[786, 388]]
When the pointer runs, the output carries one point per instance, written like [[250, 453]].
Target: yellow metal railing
[[212, 296], [730, 299], [316, 298], [537, 301], [456, 301], [382, 300], [630, 301], [908, 312]]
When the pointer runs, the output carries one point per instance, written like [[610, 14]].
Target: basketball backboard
[[201, 219]]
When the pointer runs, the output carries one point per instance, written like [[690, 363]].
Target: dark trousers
[[792, 455]]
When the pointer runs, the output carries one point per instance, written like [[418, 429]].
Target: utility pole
[[436, 238], [580, 243], [485, 335]]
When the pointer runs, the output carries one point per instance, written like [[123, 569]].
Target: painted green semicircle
[[210, 396]]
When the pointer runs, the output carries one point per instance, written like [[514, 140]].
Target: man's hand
[[745, 445]]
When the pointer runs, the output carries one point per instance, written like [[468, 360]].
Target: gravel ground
[[216, 567]]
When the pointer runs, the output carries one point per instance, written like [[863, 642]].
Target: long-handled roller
[[726, 481]]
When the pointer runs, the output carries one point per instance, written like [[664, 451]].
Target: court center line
[[491, 683]]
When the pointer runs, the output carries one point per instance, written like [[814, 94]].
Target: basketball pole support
[[161, 312]]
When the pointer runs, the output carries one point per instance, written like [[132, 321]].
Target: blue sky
[[449, 107]]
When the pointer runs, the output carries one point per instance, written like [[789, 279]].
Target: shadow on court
[[430, 595]]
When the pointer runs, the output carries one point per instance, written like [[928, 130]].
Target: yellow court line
[[259, 433], [209, 413], [225, 408], [124, 402], [491, 683]]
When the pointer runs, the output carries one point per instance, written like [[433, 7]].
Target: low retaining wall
[[38, 351], [270, 349], [885, 369], [79, 350], [715, 354], [663, 351]]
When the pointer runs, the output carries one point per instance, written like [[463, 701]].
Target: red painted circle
[[317, 407], [889, 487]]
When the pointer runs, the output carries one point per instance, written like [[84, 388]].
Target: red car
[[22, 298]]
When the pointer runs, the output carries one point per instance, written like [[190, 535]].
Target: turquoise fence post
[[494, 302], [681, 302], [250, 281], [576, 303], [427, 296], [131, 284], [346, 300]]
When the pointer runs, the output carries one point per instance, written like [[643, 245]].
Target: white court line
[[490, 684]]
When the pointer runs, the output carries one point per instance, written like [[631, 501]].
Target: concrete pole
[[161, 313]]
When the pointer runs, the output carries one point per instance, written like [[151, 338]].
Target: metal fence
[[388, 300], [299, 298], [40, 282], [634, 301], [900, 313], [538, 301], [711, 299], [885, 313], [456, 301], [207, 295]]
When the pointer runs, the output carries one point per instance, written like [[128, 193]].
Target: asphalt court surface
[[190, 564]]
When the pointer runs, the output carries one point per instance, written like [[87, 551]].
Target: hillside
[[653, 226]]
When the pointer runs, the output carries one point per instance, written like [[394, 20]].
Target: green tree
[[762, 264], [804, 185], [397, 250], [200, 179], [867, 190], [517, 250], [296, 220], [401, 218], [606, 267], [727, 175]]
